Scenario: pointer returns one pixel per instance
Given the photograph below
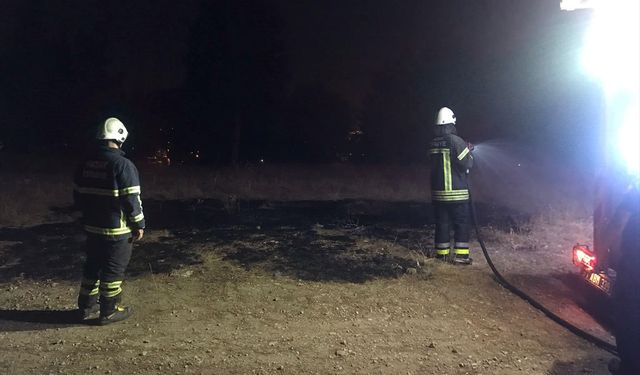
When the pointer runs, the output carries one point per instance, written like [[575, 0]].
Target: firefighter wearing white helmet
[[451, 161], [445, 116], [107, 191], [113, 129]]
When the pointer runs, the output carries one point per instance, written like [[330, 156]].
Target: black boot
[[463, 260], [442, 254], [111, 310], [88, 307], [442, 257]]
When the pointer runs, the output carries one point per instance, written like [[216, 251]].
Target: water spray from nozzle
[[494, 150], [499, 174]]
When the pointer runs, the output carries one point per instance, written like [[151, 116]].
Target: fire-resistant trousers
[[456, 216], [104, 269]]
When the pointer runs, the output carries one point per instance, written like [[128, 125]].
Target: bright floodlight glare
[[612, 55], [612, 45], [576, 4]]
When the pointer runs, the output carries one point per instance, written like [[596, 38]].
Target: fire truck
[[611, 50]]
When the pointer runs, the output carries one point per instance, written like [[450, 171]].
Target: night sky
[[302, 81]]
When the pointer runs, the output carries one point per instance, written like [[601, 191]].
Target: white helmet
[[445, 116], [113, 129]]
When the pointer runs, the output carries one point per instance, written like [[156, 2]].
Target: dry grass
[[30, 188], [289, 182]]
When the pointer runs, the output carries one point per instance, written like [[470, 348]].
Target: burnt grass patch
[[308, 255], [310, 240]]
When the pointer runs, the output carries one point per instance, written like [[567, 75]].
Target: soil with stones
[[342, 287]]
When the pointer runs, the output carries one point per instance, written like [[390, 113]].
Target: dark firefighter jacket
[[451, 161], [107, 191]]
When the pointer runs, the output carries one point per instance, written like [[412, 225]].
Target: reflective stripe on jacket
[[451, 161], [107, 191]]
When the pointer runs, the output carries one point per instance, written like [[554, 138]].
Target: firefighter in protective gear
[[451, 161], [107, 191]]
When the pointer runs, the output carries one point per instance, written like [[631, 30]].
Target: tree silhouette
[[236, 78], [316, 126], [397, 114], [53, 73]]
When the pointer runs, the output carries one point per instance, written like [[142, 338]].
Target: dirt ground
[[300, 288]]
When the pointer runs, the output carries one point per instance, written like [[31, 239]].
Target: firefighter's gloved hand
[[470, 146], [137, 235]]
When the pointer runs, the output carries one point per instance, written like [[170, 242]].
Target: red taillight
[[583, 257]]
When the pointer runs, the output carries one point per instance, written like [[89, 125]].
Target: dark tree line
[[64, 68], [237, 72], [52, 68]]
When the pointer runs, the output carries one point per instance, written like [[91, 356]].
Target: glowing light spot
[[612, 45]]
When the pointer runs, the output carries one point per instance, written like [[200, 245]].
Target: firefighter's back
[[98, 191]]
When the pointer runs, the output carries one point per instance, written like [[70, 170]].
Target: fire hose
[[602, 344]]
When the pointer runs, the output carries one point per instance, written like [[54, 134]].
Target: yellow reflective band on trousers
[[89, 287], [442, 248], [110, 289], [461, 251]]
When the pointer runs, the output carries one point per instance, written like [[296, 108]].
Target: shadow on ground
[[568, 296], [56, 252], [583, 366], [48, 251], [277, 236], [35, 320], [306, 254]]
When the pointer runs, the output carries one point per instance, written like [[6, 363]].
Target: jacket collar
[[104, 148], [441, 130]]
